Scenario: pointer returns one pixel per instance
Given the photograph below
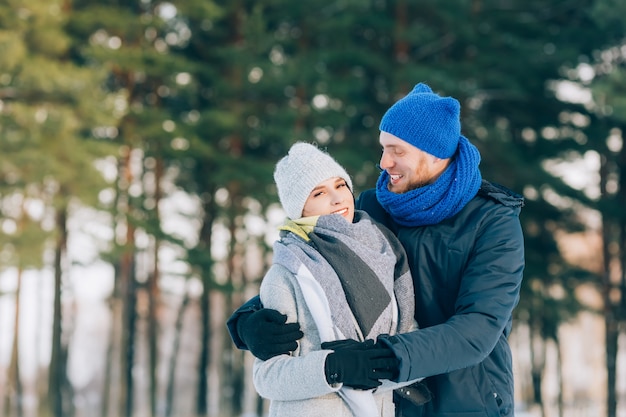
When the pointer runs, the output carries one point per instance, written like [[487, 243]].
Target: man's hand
[[348, 344], [266, 334], [359, 365]]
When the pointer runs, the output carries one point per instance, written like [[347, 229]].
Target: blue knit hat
[[425, 120]]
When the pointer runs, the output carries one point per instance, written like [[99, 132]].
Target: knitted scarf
[[352, 264], [438, 201]]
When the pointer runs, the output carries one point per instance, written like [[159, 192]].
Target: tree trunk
[[112, 369], [231, 378], [559, 376], [538, 363], [205, 265], [154, 294], [3, 392], [41, 372], [14, 384], [202, 407], [110, 365], [611, 323], [171, 380], [57, 369], [128, 295], [621, 249], [400, 46], [129, 318], [611, 357]]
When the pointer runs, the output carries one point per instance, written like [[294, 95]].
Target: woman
[[341, 276]]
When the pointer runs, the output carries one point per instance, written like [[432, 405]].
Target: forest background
[[137, 209]]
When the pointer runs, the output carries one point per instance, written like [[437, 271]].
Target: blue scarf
[[438, 201]]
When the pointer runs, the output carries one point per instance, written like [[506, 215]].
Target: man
[[465, 249]]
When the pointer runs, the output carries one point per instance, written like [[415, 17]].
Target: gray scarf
[[352, 264]]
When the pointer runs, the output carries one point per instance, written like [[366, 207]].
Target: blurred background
[[137, 206]]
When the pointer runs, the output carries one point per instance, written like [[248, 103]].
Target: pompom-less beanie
[[425, 120], [300, 171]]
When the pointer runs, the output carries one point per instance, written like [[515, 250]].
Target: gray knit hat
[[298, 173]]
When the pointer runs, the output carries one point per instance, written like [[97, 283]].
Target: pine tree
[[49, 105]]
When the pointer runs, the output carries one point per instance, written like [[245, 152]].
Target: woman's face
[[332, 196]]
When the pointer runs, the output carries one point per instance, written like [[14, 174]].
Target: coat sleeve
[[286, 377], [253, 304], [488, 293]]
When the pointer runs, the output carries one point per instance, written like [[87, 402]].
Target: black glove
[[266, 335], [348, 344], [359, 365]]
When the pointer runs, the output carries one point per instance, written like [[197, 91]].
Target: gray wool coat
[[296, 384]]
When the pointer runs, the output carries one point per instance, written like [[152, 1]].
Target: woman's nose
[[336, 198]]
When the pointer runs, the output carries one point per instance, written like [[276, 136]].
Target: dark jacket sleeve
[[253, 304], [488, 293]]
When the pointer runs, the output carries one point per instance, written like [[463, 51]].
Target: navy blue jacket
[[467, 272]]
